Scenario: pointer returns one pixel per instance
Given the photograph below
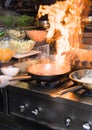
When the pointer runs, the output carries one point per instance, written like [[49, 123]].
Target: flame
[[65, 24]]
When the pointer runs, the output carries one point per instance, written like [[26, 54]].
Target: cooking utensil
[[71, 89], [44, 23], [4, 80], [87, 20], [47, 71], [24, 77], [82, 77], [89, 26]]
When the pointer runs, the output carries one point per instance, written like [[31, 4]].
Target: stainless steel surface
[[77, 76], [44, 23], [71, 89], [70, 110], [87, 20]]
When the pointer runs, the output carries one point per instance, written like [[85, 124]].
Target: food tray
[[32, 52]]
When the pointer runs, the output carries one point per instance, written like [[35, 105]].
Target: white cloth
[[4, 80]]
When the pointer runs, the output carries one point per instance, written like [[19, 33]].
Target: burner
[[45, 84], [84, 92], [51, 84], [87, 93], [85, 63]]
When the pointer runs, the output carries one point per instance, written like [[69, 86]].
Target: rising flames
[[65, 25]]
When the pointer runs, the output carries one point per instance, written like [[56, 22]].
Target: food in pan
[[86, 79], [47, 69]]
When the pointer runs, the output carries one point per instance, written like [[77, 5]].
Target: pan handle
[[20, 77], [71, 89]]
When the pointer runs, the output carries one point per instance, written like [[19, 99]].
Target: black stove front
[[46, 105]]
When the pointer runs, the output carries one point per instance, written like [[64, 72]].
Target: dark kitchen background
[[29, 7], [31, 104]]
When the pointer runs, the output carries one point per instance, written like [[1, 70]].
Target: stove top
[[59, 105], [64, 88]]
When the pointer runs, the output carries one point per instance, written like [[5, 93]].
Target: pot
[[44, 24], [87, 20], [82, 77], [47, 71]]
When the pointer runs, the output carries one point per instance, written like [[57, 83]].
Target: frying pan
[[82, 77], [47, 71]]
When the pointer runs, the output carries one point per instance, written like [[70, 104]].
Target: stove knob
[[22, 108], [86, 126], [68, 122], [35, 112]]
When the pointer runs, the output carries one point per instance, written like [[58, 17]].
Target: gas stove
[[50, 104]]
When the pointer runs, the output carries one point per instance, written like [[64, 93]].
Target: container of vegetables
[[6, 53], [22, 46]]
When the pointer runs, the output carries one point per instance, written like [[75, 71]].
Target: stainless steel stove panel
[[55, 112]]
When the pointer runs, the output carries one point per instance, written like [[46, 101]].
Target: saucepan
[[48, 71], [82, 77], [44, 23], [88, 22]]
